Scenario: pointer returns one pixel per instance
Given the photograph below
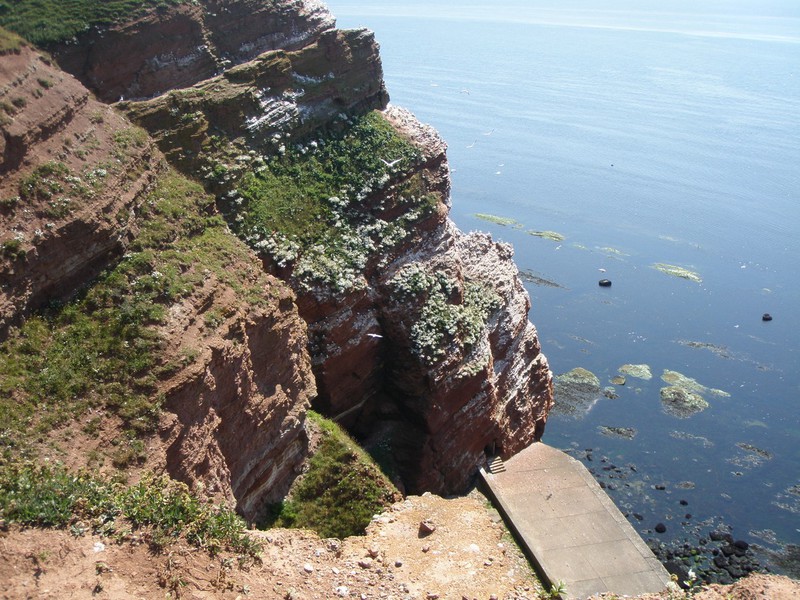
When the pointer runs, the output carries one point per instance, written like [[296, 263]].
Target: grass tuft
[[341, 490], [10, 43]]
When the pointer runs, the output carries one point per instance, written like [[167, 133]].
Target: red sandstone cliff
[[76, 175], [180, 45], [72, 171], [427, 351], [234, 418], [437, 416]]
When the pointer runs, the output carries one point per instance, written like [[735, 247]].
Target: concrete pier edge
[[568, 527]]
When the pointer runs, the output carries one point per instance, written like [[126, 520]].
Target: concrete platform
[[570, 528]]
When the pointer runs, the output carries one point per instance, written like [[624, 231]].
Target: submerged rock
[[626, 433], [612, 251], [751, 457], [575, 392], [682, 403], [721, 351], [529, 276], [680, 380], [638, 371], [505, 221], [699, 439], [765, 454], [548, 235]]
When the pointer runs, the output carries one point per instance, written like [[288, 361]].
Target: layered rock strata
[[260, 104], [71, 173], [234, 376], [179, 45], [234, 418], [418, 334]]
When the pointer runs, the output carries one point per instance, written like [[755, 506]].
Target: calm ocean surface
[[643, 135]]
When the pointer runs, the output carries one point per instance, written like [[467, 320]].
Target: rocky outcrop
[[259, 105], [71, 172], [482, 386], [418, 334], [424, 348], [180, 45], [234, 378]]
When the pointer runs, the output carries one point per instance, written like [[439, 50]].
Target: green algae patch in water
[[638, 371], [690, 437], [613, 252], [721, 351], [504, 221], [548, 235], [680, 380], [682, 403], [677, 271], [575, 392], [530, 276]]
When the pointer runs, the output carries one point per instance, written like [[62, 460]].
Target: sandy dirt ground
[[425, 547]]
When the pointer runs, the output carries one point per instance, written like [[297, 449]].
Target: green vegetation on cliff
[[45, 22], [9, 42], [440, 322], [307, 208], [341, 490], [52, 496], [103, 350]]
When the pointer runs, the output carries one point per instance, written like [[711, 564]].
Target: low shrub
[[52, 496]]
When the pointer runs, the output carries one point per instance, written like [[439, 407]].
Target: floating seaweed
[[677, 271]]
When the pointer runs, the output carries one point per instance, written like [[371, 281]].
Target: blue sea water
[[644, 133]]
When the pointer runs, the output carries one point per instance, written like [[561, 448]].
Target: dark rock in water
[[720, 536], [604, 283], [741, 544], [638, 517], [683, 503], [660, 528], [627, 433], [678, 569], [764, 317]]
